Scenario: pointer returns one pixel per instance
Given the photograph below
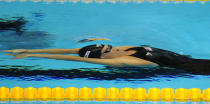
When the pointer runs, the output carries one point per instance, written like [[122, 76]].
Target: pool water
[[182, 28]]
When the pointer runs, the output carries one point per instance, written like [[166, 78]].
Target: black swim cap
[[91, 51]]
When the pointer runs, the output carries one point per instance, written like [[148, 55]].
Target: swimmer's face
[[111, 52]]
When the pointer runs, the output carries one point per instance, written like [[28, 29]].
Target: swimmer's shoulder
[[133, 61]]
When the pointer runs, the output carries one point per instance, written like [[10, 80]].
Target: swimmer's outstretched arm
[[52, 51], [109, 62], [124, 61]]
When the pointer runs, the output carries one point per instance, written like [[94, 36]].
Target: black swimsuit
[[170, 59]]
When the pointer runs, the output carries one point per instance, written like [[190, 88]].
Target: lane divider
[[103, 94]]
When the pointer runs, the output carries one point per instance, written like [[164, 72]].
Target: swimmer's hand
[[18, 56], [16, 51]]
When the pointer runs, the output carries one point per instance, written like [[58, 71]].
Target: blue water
[[181, 28]]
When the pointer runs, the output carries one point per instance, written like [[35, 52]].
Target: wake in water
[[108, 73], [15, 33], [17, 24]]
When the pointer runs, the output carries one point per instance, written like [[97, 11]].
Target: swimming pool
[[181, 28]]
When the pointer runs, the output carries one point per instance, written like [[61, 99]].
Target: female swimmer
[[122, 56]]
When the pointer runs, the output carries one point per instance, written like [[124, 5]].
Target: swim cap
[[91, 51]]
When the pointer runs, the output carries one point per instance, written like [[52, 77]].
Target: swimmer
[[16, 25], [121, 56], [91, 39]]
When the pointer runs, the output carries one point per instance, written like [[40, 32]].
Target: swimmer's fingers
[[10, 55], [17, 56], [15, 51], [5, 51], [11, 51]]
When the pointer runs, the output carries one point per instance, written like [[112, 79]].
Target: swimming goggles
[[108, 49]]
